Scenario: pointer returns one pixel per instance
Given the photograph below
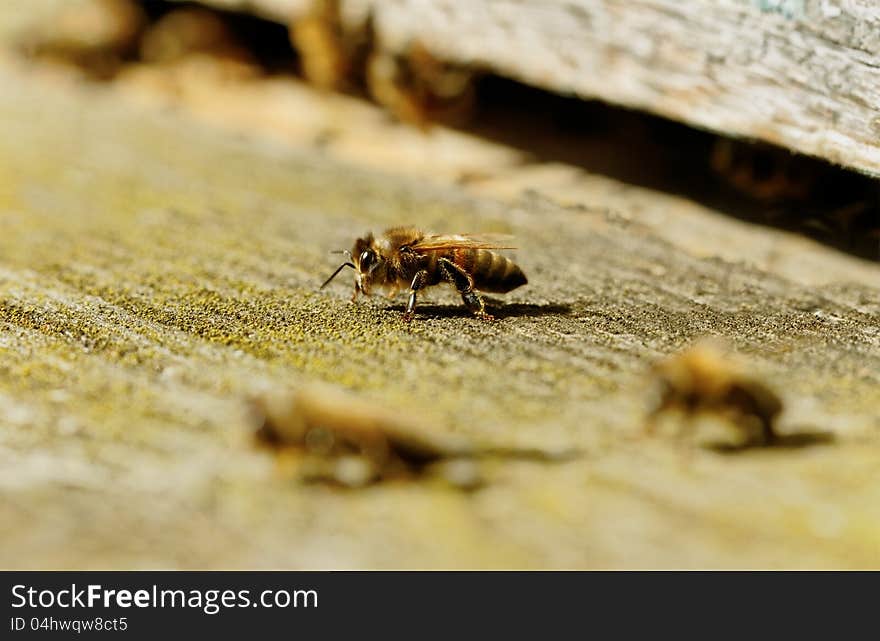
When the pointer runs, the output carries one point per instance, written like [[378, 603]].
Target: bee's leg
[[767, 431], [465, 286], [354, 294], [418, 282]]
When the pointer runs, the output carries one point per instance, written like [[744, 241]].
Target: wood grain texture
[[154, 274], [803, 74]]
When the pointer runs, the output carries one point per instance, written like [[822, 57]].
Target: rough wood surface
[[155, 273], [802, 74]]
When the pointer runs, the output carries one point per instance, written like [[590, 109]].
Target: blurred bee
[[413, 85], [96, 36], [703, 379], [418, 88], [763, 172], [828, 203], [331, 53], [406, 257]]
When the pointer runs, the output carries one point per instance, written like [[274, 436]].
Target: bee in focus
[[704, 380], [406, 257], [324, 433]]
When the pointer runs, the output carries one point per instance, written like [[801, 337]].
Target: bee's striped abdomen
[[491, 271], [432, 266]]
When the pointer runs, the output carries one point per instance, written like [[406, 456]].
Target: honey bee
[[95, 36], [763, 172], [330, 434], [412, 84], [189, 32], [406, 257], [331, 52], [347, 439], [419, 89], [703, 379]]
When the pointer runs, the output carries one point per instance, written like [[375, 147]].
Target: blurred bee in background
[[803, 194], [337, 436], [763, 172], [331, 54], [704, 379], [418, 88], [406, 257], [104, 38], [325, 433], [95, 36], [413, 85], [193, 31]]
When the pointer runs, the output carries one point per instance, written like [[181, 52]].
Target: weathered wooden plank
[[155, 273], [801, 74]]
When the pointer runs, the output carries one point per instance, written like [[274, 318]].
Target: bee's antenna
[[342, 251], [338, 269]]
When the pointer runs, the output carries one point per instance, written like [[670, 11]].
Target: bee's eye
[[367, 259]]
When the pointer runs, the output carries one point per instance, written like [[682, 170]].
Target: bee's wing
[[439, 242]]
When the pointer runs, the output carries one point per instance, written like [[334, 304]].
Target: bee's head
[[368, 261], [365, 260]]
